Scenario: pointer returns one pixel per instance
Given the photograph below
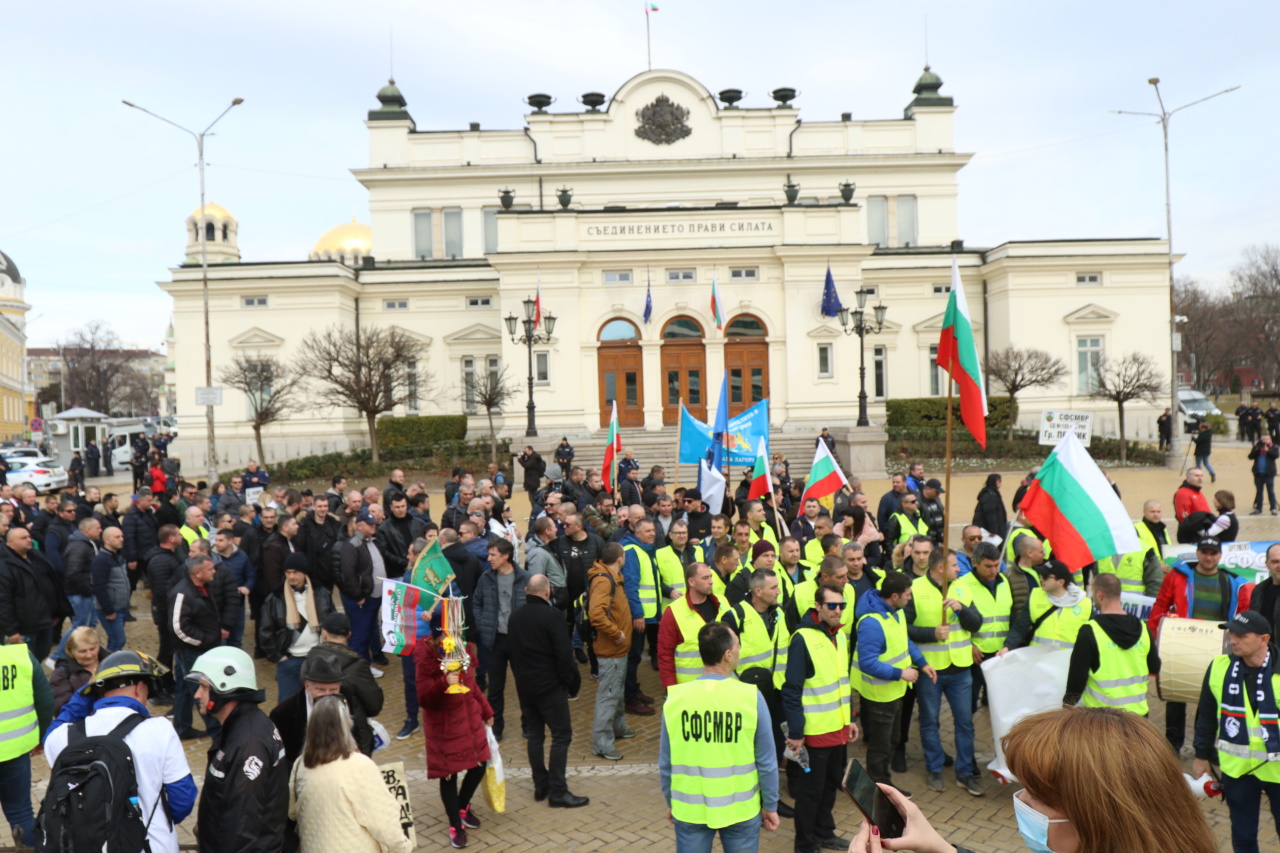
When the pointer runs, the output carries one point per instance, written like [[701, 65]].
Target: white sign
[[209, 396], [1055, 423], [397, 782]]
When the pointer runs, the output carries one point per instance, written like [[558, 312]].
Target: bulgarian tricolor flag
[[825, 477], [537, 303], [612, 449], [958, 355], [761, 486], [1073, 505], [715, 302]]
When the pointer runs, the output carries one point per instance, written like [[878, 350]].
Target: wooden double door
[[684, 376], [621, 372], [747, 363]]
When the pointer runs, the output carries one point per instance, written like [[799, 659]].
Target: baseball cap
[[935, 484], [1209, 543], [1247, 622], [336, 624], [1054, 569], [365, 517]]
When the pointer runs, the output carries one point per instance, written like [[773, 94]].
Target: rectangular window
[[632, 388], [1089, 279], [941, 289], [757, 384], [411, 377], [453, 233], [490, 230], [610, 388], [479, 301], [678, 276], [735, 385], [423, 236], [1088, 359], [872, 290], [907, 224], [878, 220], [617, 276], [673, 387], [744, 273], [396, 305], [695, 387], [469, 384], [254, 302], [825, 368], [542, 368], [495, 371], [879, 372], [937, 376]]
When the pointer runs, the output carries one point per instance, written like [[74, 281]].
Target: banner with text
[[1056, 423], [404, 619], [1244, 559], [745, 430]]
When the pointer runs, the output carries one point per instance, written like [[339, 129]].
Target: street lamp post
[[212, 449], [1164, 115], [862, 328], [530, 337]]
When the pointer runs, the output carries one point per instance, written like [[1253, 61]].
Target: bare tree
[[369, 370], [273, 388], [100, 373], [1016, 369], [1255, 291], [490, 391], [1131, 377]]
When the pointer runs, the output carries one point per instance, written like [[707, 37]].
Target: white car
[[21, 453], [42, 474]]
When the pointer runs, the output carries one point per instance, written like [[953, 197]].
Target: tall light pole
[[1164, 115], [862, 328], [529, 338], [212, 449]]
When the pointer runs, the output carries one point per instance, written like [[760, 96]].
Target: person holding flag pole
[[762, 485], [611, 451]]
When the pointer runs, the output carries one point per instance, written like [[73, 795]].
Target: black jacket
[[990, 513], [391, 490], [244, 801], [225, 587], [274, 552], [466, 571], [356, 674], [290, 720], [274, 635], [163, 567], [543, 659], [318, 541], [393, 539], [139, 530], [934, 515], [1269, 465], [1204, 442], [76, 560], [31, 595], [1256, 603], [355, 573], [629, 493], [534, 467], [194, 617], [453, 516], [1123, 629]]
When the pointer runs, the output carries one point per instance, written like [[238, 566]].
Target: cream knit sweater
[[344, 807]]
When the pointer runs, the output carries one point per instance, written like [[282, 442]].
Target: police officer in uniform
[[244, 800], [1113, 655], [716, 755], [1236, 719], [26, 706]]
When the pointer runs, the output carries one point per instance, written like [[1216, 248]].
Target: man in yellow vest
[[1113, 657], [941, 619], [888, 660], [862, 578], [1054, 613], [640, 579], [906, 523], [716, 757], [678, 659], [193, 527], [831, 570], [814, 550], [819, 715], [1022, 570], [742, 541], [26, 708], [1152, 532], [757, 520], [763, 556], [1237, 721], [724, 565], [994, 600], [765, 642], [789, 568], [673, 558]]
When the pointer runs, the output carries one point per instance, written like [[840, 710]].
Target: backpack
[[92, 803], [588, 632]]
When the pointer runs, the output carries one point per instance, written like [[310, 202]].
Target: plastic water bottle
[[801, 757]]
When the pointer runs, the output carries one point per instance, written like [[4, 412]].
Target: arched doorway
[[746, 359], [621, 372], [684, 370]]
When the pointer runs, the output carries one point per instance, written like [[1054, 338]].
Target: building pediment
[[425, 340], [475, 333], [934, 324], [255, 338], [825, 331], [1091, 313]]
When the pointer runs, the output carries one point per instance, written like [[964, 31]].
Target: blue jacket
[[631, 575], [479, 548], [242, 567], [871, 641]]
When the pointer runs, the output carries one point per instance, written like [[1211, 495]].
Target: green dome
[[392, 105], [926, 91]]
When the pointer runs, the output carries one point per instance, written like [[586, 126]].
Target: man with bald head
[[546, 676]]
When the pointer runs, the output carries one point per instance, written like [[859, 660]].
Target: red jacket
[[1172, 598], [1189, 499], [670, 636], [452, 722]]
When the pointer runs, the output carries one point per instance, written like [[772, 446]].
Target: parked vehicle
[[1194, 406], [42, 474]]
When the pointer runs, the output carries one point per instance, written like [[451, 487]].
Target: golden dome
[[344, 241], [214, 211]]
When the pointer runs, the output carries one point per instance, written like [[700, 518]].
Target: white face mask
[[1032, 825]]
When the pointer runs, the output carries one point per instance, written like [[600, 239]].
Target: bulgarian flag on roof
[[715, 302], [1073, 505], [761, 487], [612, 449], [958, 355], [825, 477]]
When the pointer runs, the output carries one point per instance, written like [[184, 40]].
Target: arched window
[[226, 230], [195, 233], [682, 328], [210, 232], [619, 330], [745, 326]]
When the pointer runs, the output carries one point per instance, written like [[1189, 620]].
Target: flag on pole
[[830, 299], [648, 299], [720, 432], [650, 7], [825, 477], [715, 302], [711, 484], [1073, 505], [612, 450], [761, 485], [958, 355], [537, 303]]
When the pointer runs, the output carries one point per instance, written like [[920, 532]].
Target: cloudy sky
[[93, 195]]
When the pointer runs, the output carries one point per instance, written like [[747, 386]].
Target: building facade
[[16, 395], [652, 197]]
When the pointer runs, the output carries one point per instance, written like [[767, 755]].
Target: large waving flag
[[715, 302], [612, 450], [830, 299], [1073, 505], [761, 486], [648, 302], [537, 303], [825, 477], [711, 484], [958, 355], [715, 453]]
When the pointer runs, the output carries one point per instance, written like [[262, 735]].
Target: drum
[[1187, 647]]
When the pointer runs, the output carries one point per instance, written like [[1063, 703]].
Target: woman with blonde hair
[[83, 654], [1097, 780], [337, 795]]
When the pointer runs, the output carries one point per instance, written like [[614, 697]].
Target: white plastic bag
[[381, 737], [1019, 684], [495, 782]]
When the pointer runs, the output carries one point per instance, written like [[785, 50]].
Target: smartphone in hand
[[871, 801]]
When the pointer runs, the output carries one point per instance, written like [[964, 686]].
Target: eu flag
[[830, 299], [648, 303]]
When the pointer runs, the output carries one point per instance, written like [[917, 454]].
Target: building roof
[[52, 352], [9, 268], [350, 238], [213, 211], [78, 412]]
